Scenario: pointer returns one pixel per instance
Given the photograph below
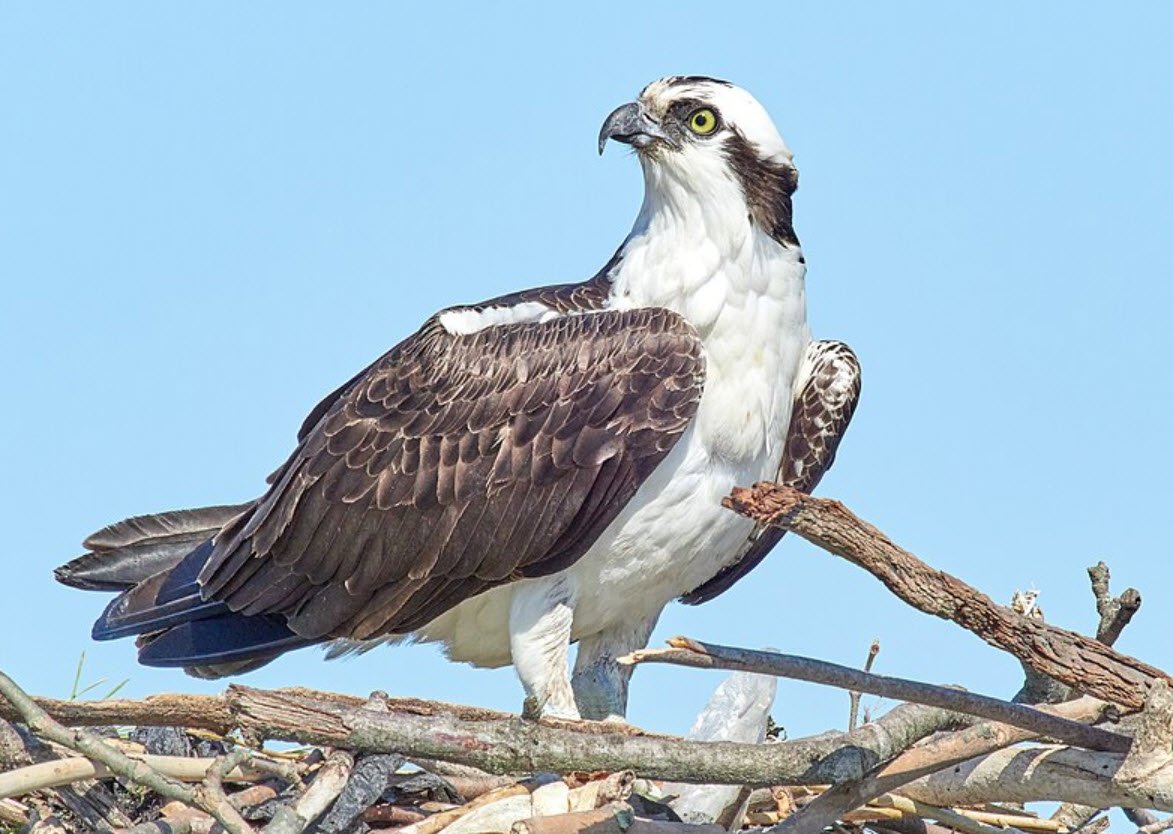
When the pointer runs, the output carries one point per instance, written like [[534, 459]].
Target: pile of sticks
[[1091, 728]]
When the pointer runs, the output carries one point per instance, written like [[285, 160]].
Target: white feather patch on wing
[[462, 322]]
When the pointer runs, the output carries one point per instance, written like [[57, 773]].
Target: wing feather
[[456, 463], [827, 394]]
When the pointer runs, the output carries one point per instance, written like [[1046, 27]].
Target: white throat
[[695, 250]]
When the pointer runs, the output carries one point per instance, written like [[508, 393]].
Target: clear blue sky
[[211, 214]]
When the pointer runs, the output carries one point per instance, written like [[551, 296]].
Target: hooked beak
[[631, 126]]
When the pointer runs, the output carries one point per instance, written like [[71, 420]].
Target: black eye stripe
[[683, 108]]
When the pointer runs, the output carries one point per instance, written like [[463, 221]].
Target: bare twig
[[74, 769], [470, 787], [93, 747], [393, 815], [1102, 780], [1115, 612], [210, 792], [436, 822], [688, 652], [853, 716], [1157, 826], [328, 783], [13, 812], [965, 823], [1064, 655], [92, 802]]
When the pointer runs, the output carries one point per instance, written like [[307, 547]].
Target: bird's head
[[704, 140]]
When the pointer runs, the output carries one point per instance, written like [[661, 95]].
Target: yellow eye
[[702, 122]]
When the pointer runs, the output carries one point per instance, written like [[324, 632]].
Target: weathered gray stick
[[688, 652]]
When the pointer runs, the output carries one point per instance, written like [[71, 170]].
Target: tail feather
[[155, 562], [128, 552], [221, 640], [167, 599], [161, 526]]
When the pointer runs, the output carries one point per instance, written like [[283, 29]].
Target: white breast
[[674, 534]]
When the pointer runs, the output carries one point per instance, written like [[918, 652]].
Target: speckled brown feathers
[[820, 415], [457, 463], [819, 418]]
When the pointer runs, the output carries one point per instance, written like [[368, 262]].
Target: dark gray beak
[[631, 126]]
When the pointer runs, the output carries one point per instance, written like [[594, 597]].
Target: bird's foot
[[532, 710]]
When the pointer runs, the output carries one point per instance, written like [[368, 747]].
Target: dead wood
[[505, 744], [91, 746], [854, 695], [1071, 658], [942, 751], [897, 771], [1115, 613], [688, 652], [615, 818]]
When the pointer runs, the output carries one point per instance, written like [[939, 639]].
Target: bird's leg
[[600, 684], [540, 616]]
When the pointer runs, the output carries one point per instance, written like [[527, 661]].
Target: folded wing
[[454, 464]]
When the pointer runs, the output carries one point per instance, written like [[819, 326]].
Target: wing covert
[[456, 463]]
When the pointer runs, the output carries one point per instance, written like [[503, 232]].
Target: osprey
[[539, 469]]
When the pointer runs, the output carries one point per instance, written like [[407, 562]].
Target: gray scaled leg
[[540, 616], [600, 684]]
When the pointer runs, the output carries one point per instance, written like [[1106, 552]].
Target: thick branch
[[1045, 773], [502, 743], [699, 655], [1077, 661], [515, 746]]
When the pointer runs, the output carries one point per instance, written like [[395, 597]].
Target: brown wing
[[457, 463], [818, 420]]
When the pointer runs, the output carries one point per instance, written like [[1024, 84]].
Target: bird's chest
[[752, 355], [751, 316], [674, 535]]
